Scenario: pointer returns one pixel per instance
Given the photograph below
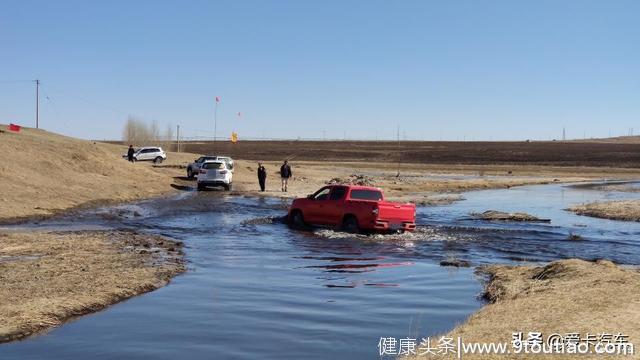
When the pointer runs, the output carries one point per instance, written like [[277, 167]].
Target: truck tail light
[[202, 171], [223, 171]]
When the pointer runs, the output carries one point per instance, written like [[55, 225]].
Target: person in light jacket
[[285, 174]]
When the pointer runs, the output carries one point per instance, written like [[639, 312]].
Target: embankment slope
[[42, 173]]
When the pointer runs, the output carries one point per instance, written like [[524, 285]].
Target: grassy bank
[[627, 210], [566, 296], [42, 173], [47, 278]]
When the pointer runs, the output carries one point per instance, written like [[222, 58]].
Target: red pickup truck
[[353, 209]]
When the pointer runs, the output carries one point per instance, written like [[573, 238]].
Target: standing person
[[262, 176], [285, 174], [130, 153]]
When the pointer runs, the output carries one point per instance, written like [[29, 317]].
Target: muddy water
[[257, 289]]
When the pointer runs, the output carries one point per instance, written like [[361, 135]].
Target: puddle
[[259, 289]]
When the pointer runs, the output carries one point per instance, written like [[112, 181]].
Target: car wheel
[[296, 219], [350, 225], [189, 173], [201, 187], [228, 187], [157, 160]]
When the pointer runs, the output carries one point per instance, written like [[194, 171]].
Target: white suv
[[194, 167], [155, 154], [214, 173]]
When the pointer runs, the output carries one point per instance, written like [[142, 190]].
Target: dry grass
[[47, 278], [562, 297], [42, 173], [628, 210]]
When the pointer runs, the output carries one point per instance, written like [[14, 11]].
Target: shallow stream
[[257, 289]]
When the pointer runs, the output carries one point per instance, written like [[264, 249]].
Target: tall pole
[[178, 137], [215, 123], [37, 103], [399, 156]]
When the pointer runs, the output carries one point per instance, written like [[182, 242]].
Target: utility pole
[[399, 155], [37, 103], [178, 137], [215, 122]]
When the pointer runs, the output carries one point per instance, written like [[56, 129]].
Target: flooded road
[[256, 289]]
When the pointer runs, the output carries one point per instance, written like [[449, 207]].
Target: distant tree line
[[138, 132]]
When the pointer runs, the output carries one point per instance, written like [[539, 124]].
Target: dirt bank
[[566, 296], [47, 278], [42, 173], [628, 210]]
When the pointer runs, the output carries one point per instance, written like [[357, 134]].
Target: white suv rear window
[[215, 165]]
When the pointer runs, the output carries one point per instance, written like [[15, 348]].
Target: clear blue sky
[[440, 69]]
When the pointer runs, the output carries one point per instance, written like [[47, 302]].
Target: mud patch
[[265, 220], [455, 263], [493, 215], [353, 179]]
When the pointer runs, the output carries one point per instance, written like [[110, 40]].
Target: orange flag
[[234, 137]]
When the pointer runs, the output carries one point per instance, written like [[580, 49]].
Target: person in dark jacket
[[130, 153], [285, 174], [262, 176]]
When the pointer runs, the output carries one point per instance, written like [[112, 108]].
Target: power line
[[14, 81], [91, 102], [53, 106]]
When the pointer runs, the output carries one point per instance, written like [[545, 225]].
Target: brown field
[[598, 153]]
